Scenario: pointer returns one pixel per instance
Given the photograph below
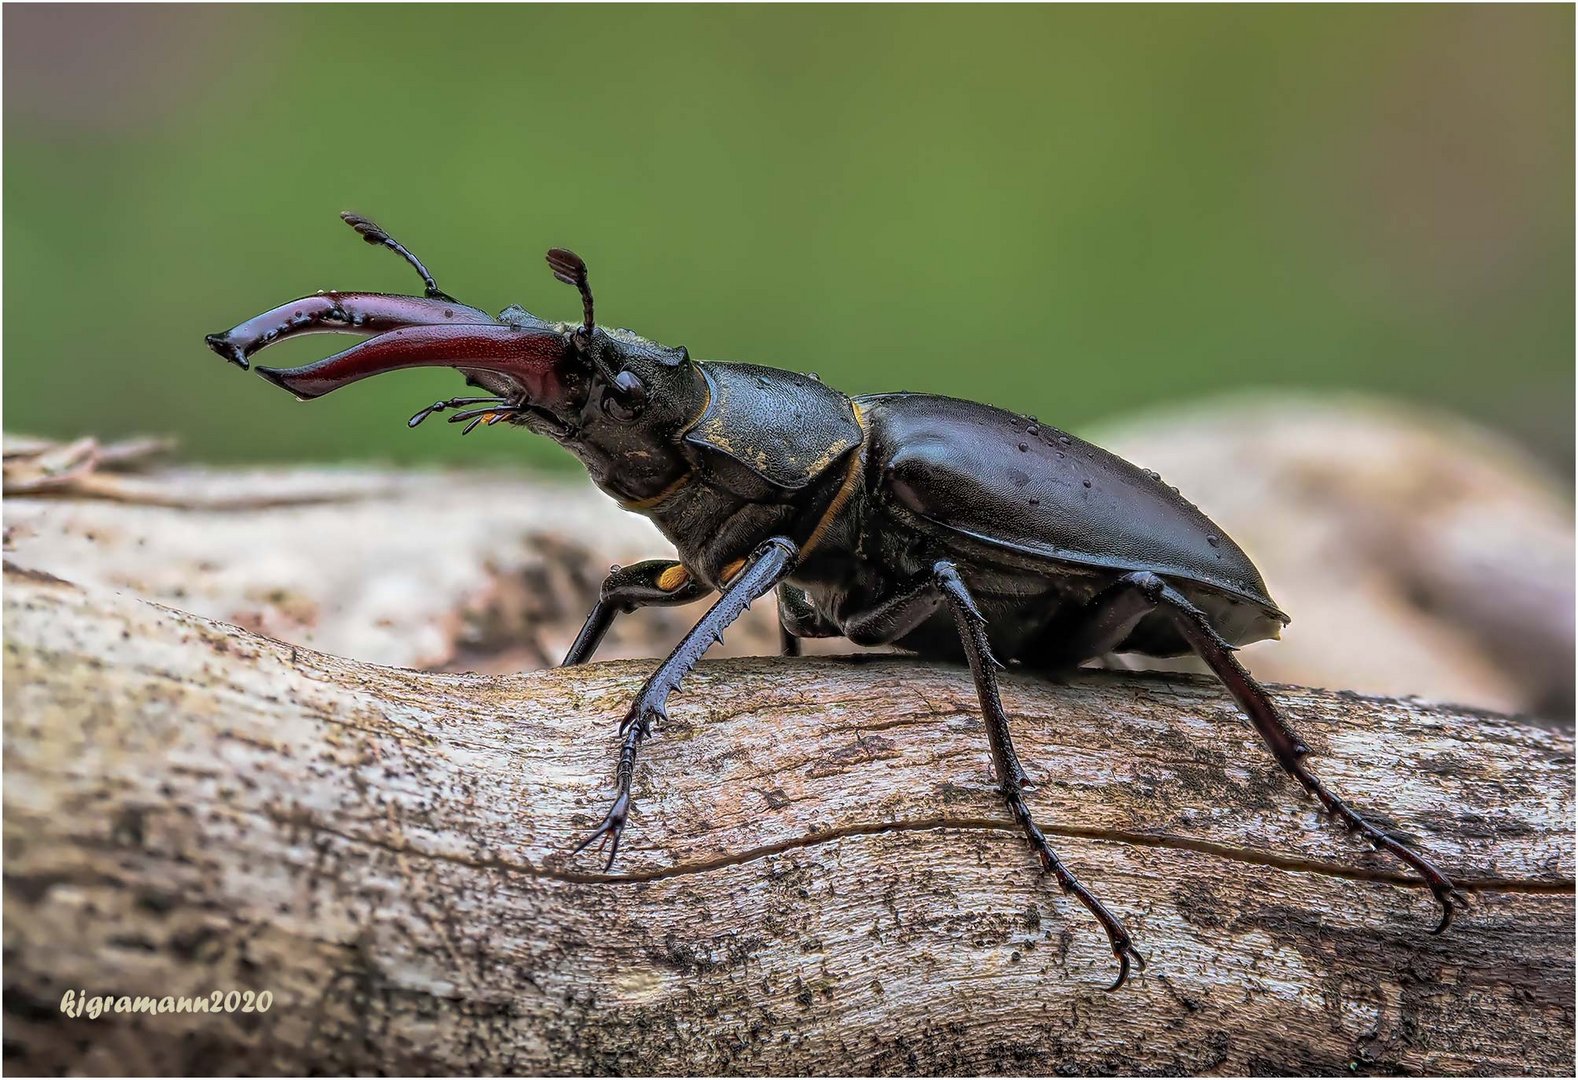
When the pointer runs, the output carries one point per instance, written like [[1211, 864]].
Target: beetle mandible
[[943, 527]]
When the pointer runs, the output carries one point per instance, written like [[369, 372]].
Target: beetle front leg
[[655, 583], [769, 564], [972, 634], [1113, 613]]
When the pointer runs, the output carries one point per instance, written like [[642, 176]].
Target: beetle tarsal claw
[[608, 833], [1452, 900], [1124, 951]]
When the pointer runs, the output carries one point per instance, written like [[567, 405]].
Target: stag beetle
[[943, 527]]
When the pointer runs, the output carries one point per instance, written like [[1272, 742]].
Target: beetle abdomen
[[1012, 483]]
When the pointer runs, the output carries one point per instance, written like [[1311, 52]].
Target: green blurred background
[[1073, 211]]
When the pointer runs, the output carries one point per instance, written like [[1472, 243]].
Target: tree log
[[818, 878], [1416, 554]]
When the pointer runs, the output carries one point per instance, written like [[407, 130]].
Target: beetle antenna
[[570, 268], [374, 234]]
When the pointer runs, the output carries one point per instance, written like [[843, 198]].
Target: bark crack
[[1553, 886]]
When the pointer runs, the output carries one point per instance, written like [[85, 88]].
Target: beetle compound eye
[[624, 401]]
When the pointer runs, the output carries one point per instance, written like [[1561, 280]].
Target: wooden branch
[[1417, 554], [819, 877]]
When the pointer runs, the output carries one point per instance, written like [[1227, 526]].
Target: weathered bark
[[1417, 554], [818, 878]]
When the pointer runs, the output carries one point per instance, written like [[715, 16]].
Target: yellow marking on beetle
[[835, 449], [731, 571], [673, 578], [857, 461]]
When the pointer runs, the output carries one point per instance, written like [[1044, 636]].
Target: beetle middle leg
[[1109, 619], [654, 583], [972, 634], [768, 565], [798, 618]]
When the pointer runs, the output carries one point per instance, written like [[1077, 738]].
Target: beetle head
[[635, 401], [632, 382], [619, 402]]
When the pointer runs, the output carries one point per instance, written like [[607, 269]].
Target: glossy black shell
[[1006, 483], [785, 427]]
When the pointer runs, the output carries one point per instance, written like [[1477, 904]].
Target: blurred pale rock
[[1416, 553], [491, 571]]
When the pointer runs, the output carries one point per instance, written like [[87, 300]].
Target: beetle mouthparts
[[527, 360], [228, 349], [283, 378]]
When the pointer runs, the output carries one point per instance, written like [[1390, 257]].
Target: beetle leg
[[769, 564], [657, 582], [1111, 616], [894, 618], [798, 618], [1138, 593], [972, 634]]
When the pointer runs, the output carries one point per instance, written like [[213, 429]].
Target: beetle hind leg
[[972, 634], [1114, 613]]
